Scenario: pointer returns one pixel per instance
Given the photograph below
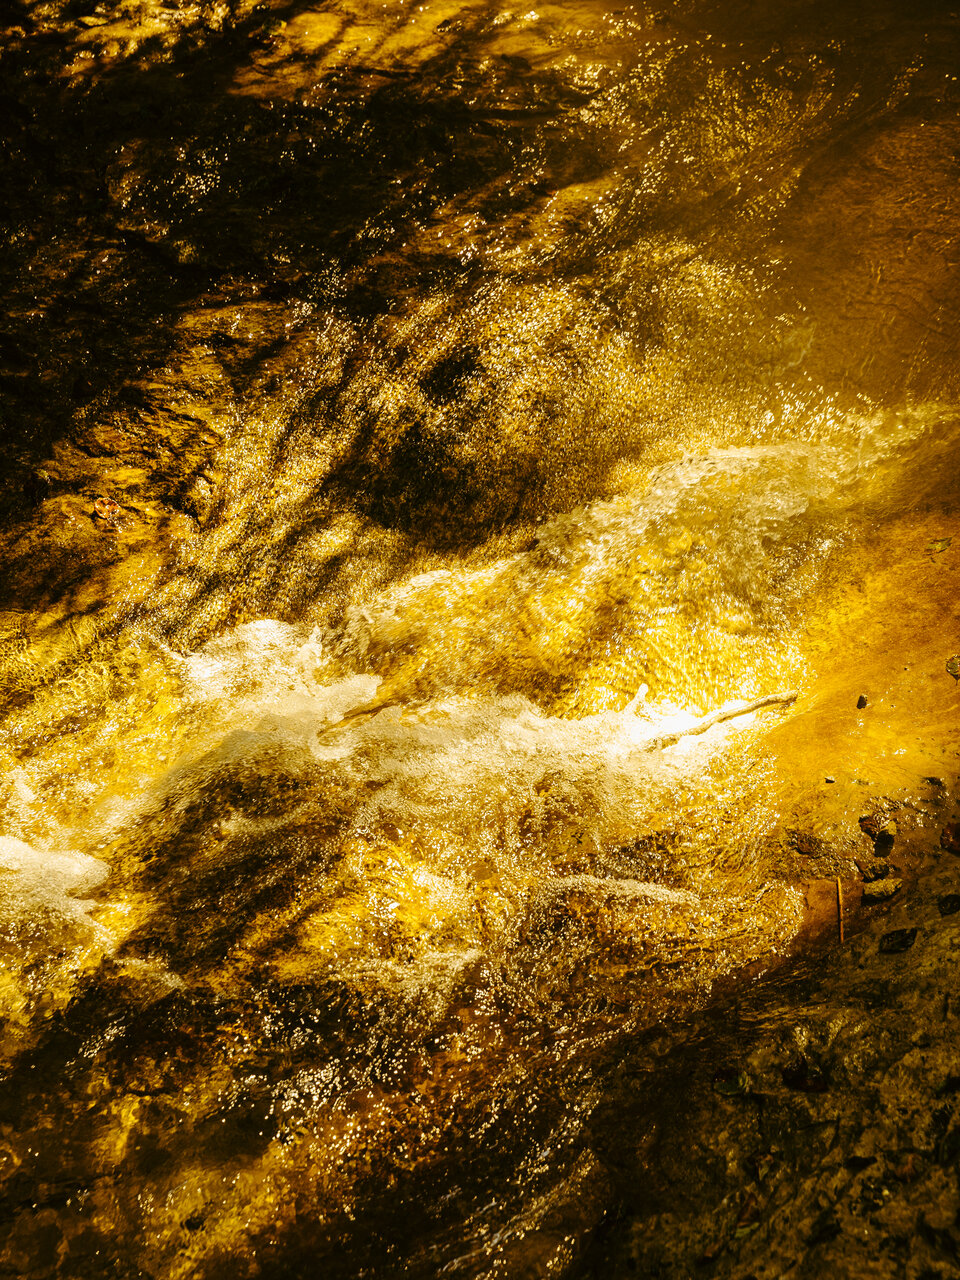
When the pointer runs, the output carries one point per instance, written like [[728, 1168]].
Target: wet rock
[[861, 702], [881, 829], [871, 823], [948, 904], [953, 666], [874, 870], [897, 941], [807, 844], [880, 890], [106, 509], [950, 837], [823, 906]]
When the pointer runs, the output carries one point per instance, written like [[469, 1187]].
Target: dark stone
[[857, 1163], [804, 1076], [861, 702], [897, 941], [825, 1228], [948, 1148], [880, 828], [950, 837], [949, 904], [729, 1082], [451, 375], [884, 842]]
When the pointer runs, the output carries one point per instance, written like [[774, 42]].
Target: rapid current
[[416, 418]]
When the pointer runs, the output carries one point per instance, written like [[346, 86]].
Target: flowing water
[[415, 418]]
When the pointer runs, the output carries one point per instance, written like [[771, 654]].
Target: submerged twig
[[652, 744], [717, 717]]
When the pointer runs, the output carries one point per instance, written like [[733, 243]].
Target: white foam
[[254, 661], [461, 761], [52, 880], [51, 873]]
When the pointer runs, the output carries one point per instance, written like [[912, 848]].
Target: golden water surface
[[413, 414]]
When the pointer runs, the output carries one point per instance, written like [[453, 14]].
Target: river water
[[416, 418]]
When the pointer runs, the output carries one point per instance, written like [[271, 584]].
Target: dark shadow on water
[[94, 283], [147, 190]]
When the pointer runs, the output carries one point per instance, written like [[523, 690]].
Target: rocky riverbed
[[811, 1125]]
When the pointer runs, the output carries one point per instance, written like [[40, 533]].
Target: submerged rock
[[897, 941]]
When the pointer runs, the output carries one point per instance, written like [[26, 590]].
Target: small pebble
[[106, 508], [861, 702], [829, 778]]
